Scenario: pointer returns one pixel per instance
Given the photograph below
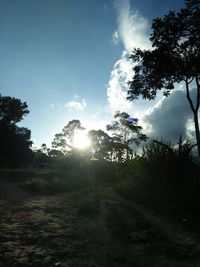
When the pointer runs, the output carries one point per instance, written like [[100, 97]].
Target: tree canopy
[[12, 110], [125, 133], [14, 140], [174, 58], [64, 141]]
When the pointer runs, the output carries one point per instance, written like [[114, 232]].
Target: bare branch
[[198, 94], [188, 96], [191, 80]]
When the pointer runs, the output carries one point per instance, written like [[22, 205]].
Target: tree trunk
[[195, 110], [196, 123]]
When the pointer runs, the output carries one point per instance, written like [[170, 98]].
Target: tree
[[118, 151], [54, 153], [12, 110], [174, 58], [99, 144], [126, 133], [44, 149], [14, 141], [64, 141], [70, 130], [59, 143]]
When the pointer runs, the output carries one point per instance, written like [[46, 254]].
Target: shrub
[[164, 176]]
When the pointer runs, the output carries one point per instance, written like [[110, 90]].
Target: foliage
[[164, 151], [163, 177], [174, 58], [71, 175], [14, 141], [12, 110], [64, 141], [54, 153], [126, 134], [59, 143], [99, 144]]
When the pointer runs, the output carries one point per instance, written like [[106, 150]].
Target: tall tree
[[59, 143], [174, 58], [127, 133], [99, 144], [14, 141], [12, 110], [70, 130], [64, 141]]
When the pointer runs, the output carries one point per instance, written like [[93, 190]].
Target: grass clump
[[163, 177], [52, 186]]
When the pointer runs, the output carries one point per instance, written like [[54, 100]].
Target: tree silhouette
[[126, 133], [174, 58], [14, 141], [118, 150], [73, 127], [12, 110], [64, 141], [59, 143], [99, 144]]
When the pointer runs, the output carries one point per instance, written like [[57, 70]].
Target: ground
[[88, 227]]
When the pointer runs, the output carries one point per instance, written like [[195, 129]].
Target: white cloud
[[76, 96], [132, 27], [115, 37], [76, 105], [132, 32], [117, 86]]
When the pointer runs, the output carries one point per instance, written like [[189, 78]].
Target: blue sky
[[68, 59]]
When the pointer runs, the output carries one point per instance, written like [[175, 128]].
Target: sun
[[81, 140]]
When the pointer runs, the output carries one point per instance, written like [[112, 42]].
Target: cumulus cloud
[[117, 86], [76, 105], [132, 32], [133, 28], [169, 118]]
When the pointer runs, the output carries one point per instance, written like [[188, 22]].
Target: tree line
[[16, 141], [173, 58]]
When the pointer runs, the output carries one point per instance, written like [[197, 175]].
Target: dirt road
[[87, 228]]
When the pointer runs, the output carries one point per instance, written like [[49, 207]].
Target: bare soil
[[94, 227]]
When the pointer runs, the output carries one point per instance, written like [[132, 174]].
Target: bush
[[164, 177]]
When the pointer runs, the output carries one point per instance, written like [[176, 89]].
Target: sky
[[69, 59]]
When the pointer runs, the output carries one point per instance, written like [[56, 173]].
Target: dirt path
[[87, 228]]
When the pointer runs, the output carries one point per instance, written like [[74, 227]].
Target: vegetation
[[64, 141], [104, 188], [174, 58], [164, 177], [126, 134], [14, 140]]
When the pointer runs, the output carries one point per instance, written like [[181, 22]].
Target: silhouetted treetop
[[64, 141], [12, 110], [14, 141], [174, 58]]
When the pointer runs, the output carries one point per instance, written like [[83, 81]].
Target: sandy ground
[[87, 228]]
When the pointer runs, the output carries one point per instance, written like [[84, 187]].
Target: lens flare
[[81, 140]]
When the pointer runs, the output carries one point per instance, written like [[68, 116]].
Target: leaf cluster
[[174, 57]]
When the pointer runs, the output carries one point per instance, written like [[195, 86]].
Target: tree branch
[[198, 94], [191, 80], [188, 95]]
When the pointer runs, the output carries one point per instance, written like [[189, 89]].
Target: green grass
[[163, 178], [54, 185]]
